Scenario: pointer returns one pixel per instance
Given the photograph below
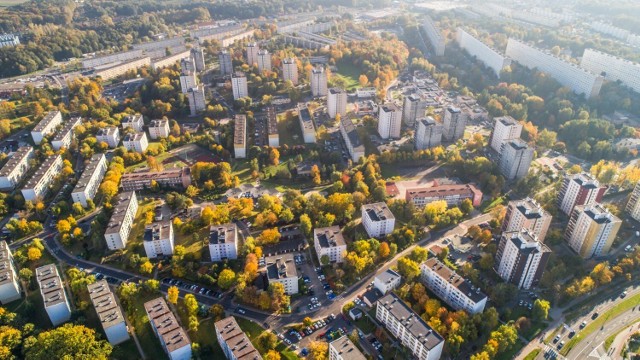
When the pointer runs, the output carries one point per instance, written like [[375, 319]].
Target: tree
[[146, 267], [25, 274], [419, 254], [267, 341], [64, 227], [315, 175], [466, 206], [363, 80], [274, 156], [305, 224], [269, 236], [193, 323], [408, 268], [66, 342], [192, 191], [318, 350], [307, 321], [226, 279], [540, 309], [325, 260], [486, 262], [191, 304], [34, 253], [151, 285], [272, 355], [384, 250], [172, 294], [216, 311]]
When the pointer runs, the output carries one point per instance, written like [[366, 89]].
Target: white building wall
[[614, 68], [490, 57], [117, 334], [239, 87]]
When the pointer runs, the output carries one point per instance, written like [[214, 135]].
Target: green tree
[[191, 304], [324, 260], [541, 309], [226, 279], [408, 268], [66, 342]]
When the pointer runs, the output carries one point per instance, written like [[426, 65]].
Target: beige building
[[336, 102], [109, 312], [592, 230], [113, 70], [177, 178], [239, 85], [234, 342], [165, 326]]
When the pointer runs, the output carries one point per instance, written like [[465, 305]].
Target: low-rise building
[[179, 178], [173, 338], [272, 127], [135, 122], [366, 92], [53, 294], [109, 135], [351, 139], [282, 268], [306, 124], [124, 212], [234, 342], [223, 242], [9, 281], [90, 180], [159, 129], [14, 171], [240, 137], [109, 312], [387, 281], [329, 242], [377, 219], [452, 288], [136, 142], [46, 126], [409, 328], [428, 133], [38, 186], [344, 349], [115, 69], [64, 137], [453, 194], [521, 258], [158, 239]]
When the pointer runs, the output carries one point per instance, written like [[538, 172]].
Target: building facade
[[197, 100], [136, 142], [515, 159], [344, 349], [290, 70], [53, 294], [351, 139], [490, 57], [453, 194], [159, 129], [377, 219], [240, 137], [387, 281], [9, 280], [64, 137], [38, 186], [135, 122], [46, 126], [521, 258], [306, 124], [282, 269], [224, 59], [234, 342], [413, 108], [124, 212], [264, 60], [633, 205], [434, 35], [90, 180], [272, 127], [158, 239], [591, 230], [329, 242], [452, 288], [14, 171], [197, 53], [177, 178], [579, 189], [613, 68], [505, 129], [336, 102], [252, 53], [428, 133], [173, 338], [527, 214], [223, 242], [454, 123], [318, 82], [109, 135], [188, 80], [109, 312], [239, 85], [389, 121]]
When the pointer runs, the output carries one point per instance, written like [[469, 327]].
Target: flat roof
[[329, 237], [529, 208], [346, 349], [50, 284], [378, 211], [450, 276], [335, 90], [272, 121], [119, 211], [67, 128], [586, 180], [526, 241], [388, 276], [130, 119], [236, 339], [239, 130], [443, 191], [89, 171], [158, 230], [166, 325], [42, 170], [280, 266], [305, 117], [109, 130], [105, 303], [15, 159], [159, 123], [507, 120], [6, 266], [598, 213], [389, 108], [350, 129], [518, 144], [159, 175], [411, 321], [46, 120], [225, 233], [135, 137]]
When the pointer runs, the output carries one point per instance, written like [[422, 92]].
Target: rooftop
[[239, 130], [6, 271], [159, 175], [352, 133], [389, 108], [518, 144], [529, 208], [119, 211], [88, 172], [305, 117], [337, 91], [329, 237], [42, 171], [158, 230], [159, 123], [507, 120], [220, 234], [586, 180], [388, 276], [50, 284], [378, 211], [443, 191], [238, 74], [526, 241], [107, 131], [67, 127], [166, 324], [236, 339], [105, 303], [346, 349], [454, 279], [46, 120], [598, 213], [135, 137], [132, 119], [280, 267], [272, 121], [15, 159], [410, 321]]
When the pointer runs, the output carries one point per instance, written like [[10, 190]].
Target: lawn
[[365, 325], [350, 74], [242, 170], [601, 320], [532, 355], [289, 130], [138, 318], [167, 159]]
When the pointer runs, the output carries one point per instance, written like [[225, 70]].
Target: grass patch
[[601, 320], [167, 159], [289, 129], [350, 75], [138, 317], [609, 341], [487, 206], [532, 355], [553, 334], [242, 170], [511, 353], [366, 325]]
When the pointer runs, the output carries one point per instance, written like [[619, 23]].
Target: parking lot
[[315, 284], [260, 134]]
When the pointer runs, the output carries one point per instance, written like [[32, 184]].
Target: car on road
[[594, 316], [241, 311], [583, 324], [624, 293], [561, 345], [556, 339]]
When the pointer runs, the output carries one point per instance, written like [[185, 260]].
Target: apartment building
[[173, 338], [428, 133], [90, 180], [366, 92], [109, 312], [633, 205], [409, 328], [505, 128], [453, 124], [377, 219], [114, 70], [570, 75], [225, 63], [252, 53], [527, 214], [9, 281], [272, 127], [434, 35], [282, 268], [329, 242], [160, 44], [234, 342], [197, 54], [387, 281], [239, 85], [63, 138], [188, 80], [135, 122], [452, 288], [136, 142], [109, 135], [38, 186], [223, 242], [230, 40], [46, 126], [344, 349], [197, 100], [170, 59], [489, 56], [290, 70], [515, 159], [318, 81], [240, 137], [591, 230], [159, 129], [158, 239], [579, 189], [264, 60], [336, 102], [413, 108], [14, 171], [453, 194], [53, 294], [119, 57], [612, 67], [177, 178], [521, 258], [9, 40], [306, 124], [124, 212], [389, 121], [216, 32], [611, 30], [351, 139]]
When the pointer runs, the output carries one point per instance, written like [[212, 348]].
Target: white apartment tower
[[239, 85], [336, 102], [124, 212], [46, 126], [9, 281], [591, 230], [38, 186], [490, 57], [387, 281], [318, 81], [53, 294], [64, 137], [240, 137], [223, 242], [579, 189], [109, 135], [413, 108], [109, 312], [14, 171], [454, 124], [188, 80], [329, 242], [90, 180], [389, 121], [158, 239], [136, 142], [226, 65], [344, 349], [282, 269], [197, 100], [515, 159], [290, 70], [136, 122], [173, 338], [264, 60], [377, 219], [159, 128], [434, 35], [527, 214], [633, 206], [252, 53], [198, 58], [521, 258], [613, 68], [506, 128], [428, 133], [351, 139]]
